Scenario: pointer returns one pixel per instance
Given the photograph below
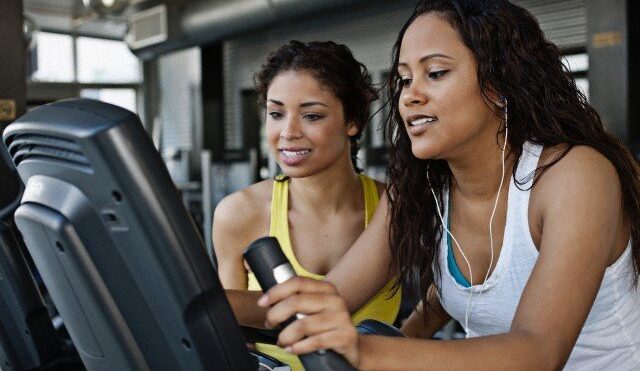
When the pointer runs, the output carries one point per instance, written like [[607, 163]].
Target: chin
[[296, 172], [423, 152]]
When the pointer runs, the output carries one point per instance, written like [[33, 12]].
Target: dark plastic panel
[[116, 248]]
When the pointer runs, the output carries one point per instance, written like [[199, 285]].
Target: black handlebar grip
[[264, 256], [271, 266]]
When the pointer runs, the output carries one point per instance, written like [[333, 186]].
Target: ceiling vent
[[147, 27]]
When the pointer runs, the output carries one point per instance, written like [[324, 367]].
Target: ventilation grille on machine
[[147, 27], [42, 147]]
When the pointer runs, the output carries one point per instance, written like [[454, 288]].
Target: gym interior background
[[186, 68]]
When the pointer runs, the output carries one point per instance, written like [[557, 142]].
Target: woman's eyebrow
[[275, 102], [308, 104], [426, 58], [305, 104]]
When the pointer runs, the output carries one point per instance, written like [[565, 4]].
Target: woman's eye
[[275, 115], [312, 117], [437, 74], [405, 82]]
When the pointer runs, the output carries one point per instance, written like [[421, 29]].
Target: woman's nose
[[291, 129], [412, 96]]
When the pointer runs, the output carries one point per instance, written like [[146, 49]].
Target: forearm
[[245, 307], [364, 268], [499, 352]]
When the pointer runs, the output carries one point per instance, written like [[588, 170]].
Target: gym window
[[578, 64], [65, 66]]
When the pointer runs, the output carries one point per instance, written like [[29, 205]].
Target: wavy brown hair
[[545, 107]]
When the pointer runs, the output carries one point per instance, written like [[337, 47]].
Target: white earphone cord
[[471, 304]]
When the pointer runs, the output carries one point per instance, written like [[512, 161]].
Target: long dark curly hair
[[334, 66], [545, 107]]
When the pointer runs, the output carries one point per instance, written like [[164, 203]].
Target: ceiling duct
[[148, 27], [203, 22]]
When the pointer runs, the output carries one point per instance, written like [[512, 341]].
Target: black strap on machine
[[373, 327]]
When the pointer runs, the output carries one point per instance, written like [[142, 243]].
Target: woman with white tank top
[[610, 336], [509, 208]]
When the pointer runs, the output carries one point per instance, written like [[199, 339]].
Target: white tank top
[[610, 338]]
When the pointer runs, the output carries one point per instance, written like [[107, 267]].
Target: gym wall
[[370, 33]]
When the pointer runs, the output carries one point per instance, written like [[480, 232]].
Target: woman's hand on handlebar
[[327, 322]]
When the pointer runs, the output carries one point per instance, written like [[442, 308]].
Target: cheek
[[401, 108], [466, 93], [473, 112], [272, 133], [401, 111], [330, 138]]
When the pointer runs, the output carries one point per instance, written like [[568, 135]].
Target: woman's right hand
[[327, 322]]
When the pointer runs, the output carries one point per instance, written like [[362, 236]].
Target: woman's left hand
[[327, 322]]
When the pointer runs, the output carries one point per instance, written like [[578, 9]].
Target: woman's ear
[[496, 98], [352, 129]]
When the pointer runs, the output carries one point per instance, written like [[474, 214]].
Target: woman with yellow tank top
[[381, 307], [317, 99]]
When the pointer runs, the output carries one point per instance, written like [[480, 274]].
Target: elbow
[[550, 363], [556, 360], [545, 354]]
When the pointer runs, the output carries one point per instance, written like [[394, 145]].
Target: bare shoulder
[[242, 216], [581, 174], [580, 163]]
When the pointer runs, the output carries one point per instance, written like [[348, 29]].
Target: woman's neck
[[477, 176], [327, 191]]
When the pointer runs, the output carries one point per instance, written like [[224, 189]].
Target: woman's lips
[[293, 157], [417, 124]]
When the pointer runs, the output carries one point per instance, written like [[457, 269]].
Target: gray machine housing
[[116, 248]]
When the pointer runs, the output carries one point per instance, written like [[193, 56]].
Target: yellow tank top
[[381, 307]]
